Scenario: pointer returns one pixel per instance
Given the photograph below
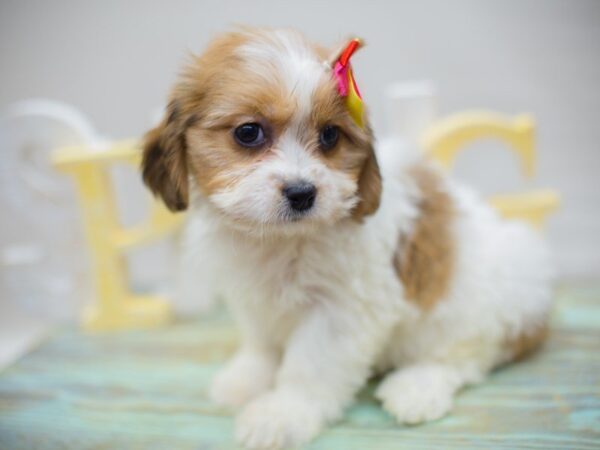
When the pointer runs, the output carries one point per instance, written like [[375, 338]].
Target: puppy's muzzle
[[300, 196]]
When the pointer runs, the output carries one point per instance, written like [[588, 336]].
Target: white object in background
[[42, 264], [411, 106]]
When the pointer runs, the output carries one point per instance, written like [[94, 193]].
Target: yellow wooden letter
[[445, 138], [114, 306]]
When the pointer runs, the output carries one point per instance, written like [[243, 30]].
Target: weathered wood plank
[[147, 390]]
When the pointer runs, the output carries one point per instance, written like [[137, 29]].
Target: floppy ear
[[369, 187], [164, 162]]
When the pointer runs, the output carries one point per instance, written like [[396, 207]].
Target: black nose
[[301, 196]]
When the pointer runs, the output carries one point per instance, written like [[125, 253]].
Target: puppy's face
[[258, 125]]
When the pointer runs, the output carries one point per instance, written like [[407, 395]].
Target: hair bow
[[346, 84]]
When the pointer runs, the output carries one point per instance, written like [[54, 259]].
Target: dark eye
[[249, 135], [329, 137]]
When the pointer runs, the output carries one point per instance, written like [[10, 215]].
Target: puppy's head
[[258, 125]]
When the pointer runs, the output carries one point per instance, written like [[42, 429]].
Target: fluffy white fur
[[317, 313], [320, 307]]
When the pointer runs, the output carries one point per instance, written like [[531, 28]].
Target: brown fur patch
[[527, 342], [424, 261], [369, 188], [228, 97], [167, 159], [164, 166]]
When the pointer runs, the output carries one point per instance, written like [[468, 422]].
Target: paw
[[245, 377], [276, 421], [417, 395]]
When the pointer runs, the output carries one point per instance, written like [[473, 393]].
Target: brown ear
[[164, 164], [369, 188]]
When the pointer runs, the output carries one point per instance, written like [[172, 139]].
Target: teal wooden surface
[[147, 390]]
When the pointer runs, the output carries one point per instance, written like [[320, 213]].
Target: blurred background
[[115, 61]]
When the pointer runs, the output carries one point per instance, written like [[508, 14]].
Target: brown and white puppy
[[333, 265]]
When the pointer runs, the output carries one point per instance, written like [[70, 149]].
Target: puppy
[[336, 260]]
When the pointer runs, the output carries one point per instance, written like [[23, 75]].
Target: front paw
[[278, 420], [417, 395], [245, 377]]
